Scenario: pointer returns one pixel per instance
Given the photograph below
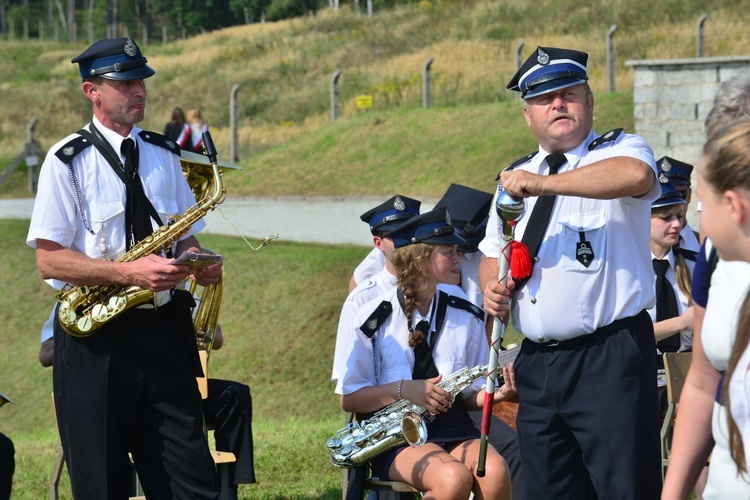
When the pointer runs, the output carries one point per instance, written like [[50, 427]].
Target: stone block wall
[[671, 99]]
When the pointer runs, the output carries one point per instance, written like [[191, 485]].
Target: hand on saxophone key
[[427, 394], [154, 273]]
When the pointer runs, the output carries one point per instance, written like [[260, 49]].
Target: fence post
[[699, 36], [611, 57], [335, 95], [519, 46], [426, 96], [234, 122]]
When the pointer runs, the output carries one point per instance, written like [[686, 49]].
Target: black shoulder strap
[[608, 137], [465, 305], [160, 140], [516, 163], [376, 319], [71, 149], [687, 254], [101, 144]]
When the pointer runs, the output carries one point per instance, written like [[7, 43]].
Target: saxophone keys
[[117, 303], [84, 324]]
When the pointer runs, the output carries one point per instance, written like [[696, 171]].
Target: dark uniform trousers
[[130, 387], [588, 422], [229, 411], [7, 466]]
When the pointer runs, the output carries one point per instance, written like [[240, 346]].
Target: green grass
[[279, 316]]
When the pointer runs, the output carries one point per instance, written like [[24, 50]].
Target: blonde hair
[[411, 273], [194, 115], [681, 271], [726, 166], [726, 158]]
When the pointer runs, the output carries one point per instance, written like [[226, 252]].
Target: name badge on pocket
[[584, 253]]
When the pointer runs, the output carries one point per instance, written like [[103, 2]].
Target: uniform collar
[[669, 258], [574, 155], [113, 138]]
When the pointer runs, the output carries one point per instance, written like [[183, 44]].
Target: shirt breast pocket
[[583, 242]]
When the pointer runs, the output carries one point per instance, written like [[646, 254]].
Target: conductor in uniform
[[586, 372], [130, 386]]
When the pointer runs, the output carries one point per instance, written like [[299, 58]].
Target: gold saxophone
[[204, 324], [83, 309]]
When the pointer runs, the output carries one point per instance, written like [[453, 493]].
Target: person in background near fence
[[179, 130], [678, 172], [588, 422], [409, 339], [130, 386], [197, 127], [701, 431]]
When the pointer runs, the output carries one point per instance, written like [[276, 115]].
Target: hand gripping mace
[[509, 211]]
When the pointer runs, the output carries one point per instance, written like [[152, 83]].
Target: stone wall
[[671, 99]]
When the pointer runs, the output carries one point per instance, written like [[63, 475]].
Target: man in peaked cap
[[678, 173], [130, 385], [382, 219], [588, 418]]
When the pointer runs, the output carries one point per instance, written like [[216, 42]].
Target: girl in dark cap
[[413, 337]]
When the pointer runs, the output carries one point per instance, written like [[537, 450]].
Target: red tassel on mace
[[520, 260]]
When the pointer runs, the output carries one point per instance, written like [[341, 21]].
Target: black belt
[[599, 333]]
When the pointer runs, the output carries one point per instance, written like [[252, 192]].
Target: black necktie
[[666, 304], [424, 365], [137, 220], [539, 219]]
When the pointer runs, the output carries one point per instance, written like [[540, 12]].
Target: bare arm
[[46, 352], [692, 441], [668, 327], [424, 393], [607, 179]]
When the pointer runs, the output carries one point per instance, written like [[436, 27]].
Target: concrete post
[[335, 95], [519, 46], [426, 96], [234, 122], [611, 58], [699, 36]]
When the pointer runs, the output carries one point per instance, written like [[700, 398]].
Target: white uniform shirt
[[366, 291], [563, 299], [688, 241], [470, 278], [729, 286], [370, 266], [683, 301], [461, 343], [102, 194]]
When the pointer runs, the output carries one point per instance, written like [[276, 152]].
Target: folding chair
[[676, 365]]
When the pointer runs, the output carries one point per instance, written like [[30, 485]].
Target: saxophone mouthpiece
[[208, 146]]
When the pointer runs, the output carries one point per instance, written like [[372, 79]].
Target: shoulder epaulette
[[71, 149], [465, 305], [518, 162], [687, 254], [159, 140], [376, 319], [602, 139]]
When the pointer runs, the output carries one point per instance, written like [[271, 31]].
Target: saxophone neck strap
[[107, 151]]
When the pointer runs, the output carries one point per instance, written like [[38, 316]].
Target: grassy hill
[[284, 70]]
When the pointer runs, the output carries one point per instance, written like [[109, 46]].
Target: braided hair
[[411, 273]]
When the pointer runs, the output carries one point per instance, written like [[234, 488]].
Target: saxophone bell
[[414, 429]]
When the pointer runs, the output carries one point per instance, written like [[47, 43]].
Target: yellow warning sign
[[364, 101]]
